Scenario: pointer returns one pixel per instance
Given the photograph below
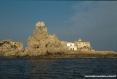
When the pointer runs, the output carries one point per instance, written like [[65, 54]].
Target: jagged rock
[[10, 48], [54, 40], [41, 43]]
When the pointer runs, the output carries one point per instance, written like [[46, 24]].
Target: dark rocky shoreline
[[79, 54]]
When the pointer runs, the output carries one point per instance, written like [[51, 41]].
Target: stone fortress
[[42, 44]]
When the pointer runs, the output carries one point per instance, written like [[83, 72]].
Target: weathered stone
[[10, 48], [55, 41], [41, 43]]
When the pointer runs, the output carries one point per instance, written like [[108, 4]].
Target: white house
[[77, 45], [83, 45], [71, 46]]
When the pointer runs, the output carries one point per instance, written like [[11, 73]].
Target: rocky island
[[43, 45]]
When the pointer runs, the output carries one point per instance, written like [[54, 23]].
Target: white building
[[77, 45], [71, 46], [83, 45]]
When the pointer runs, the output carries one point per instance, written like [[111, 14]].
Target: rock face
[[41, 43], [10, 48]]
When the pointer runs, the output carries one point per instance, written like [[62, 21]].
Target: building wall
[[83, 44], [70, 44], [72, 48], [77, 45]]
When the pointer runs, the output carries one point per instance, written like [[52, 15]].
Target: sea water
[[25, 68]]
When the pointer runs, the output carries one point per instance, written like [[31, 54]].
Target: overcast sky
[[93, 21]]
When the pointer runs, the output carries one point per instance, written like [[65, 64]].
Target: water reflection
[[56, 68], [42, 68]]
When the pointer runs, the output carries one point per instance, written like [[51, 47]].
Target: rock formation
[[41, 43], [10, 48], [54, 45]]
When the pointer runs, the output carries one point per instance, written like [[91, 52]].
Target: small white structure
[[71, 46], [77, 45]]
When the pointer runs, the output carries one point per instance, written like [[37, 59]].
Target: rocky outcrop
[[41, 43], [38, 45], [10, 48], [54, 45]]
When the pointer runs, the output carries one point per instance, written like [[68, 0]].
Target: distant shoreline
[[70, 54]]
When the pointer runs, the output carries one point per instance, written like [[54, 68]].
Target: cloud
[[96, 21], [95, 16]]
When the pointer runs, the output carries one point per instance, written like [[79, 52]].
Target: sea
[[64, 68]]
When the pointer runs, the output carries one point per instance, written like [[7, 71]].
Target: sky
[[93, 21]]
